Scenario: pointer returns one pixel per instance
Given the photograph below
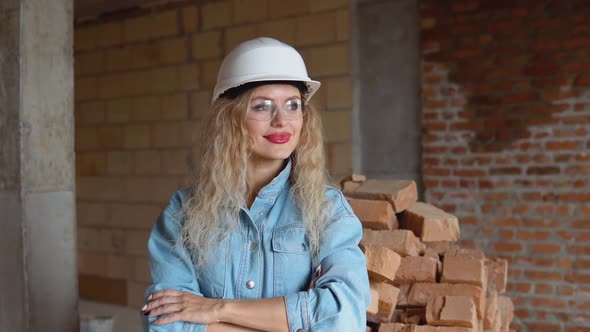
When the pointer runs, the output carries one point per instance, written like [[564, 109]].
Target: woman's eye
[[262, 107], [293, 105]]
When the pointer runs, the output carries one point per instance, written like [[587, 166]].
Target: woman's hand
[[182, 306]]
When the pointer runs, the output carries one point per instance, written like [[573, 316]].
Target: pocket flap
[[290, 240]]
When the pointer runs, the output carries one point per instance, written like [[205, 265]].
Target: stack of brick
[[421, 280]]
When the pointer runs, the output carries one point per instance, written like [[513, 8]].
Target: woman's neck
[[260, 173]]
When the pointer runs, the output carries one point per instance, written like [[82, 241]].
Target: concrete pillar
[[38, 277], [386, 85]]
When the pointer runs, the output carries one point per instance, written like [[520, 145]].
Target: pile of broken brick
[[421, 280]]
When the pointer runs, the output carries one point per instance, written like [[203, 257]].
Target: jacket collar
[[278, 184]]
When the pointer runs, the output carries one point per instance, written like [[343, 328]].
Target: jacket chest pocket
[[292, 260], [212, 275]]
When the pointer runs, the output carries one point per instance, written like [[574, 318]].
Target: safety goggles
[[267, 109]]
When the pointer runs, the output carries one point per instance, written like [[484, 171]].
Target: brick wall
[[506, 143], [143, 80]]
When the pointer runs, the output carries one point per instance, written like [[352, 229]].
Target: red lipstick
[[278, 138]]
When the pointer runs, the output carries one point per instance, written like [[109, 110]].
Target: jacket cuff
[[297, 312], [176, 326]]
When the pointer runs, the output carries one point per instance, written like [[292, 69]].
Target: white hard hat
[[262, 59]]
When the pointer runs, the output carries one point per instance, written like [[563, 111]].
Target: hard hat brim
[[312, 85]]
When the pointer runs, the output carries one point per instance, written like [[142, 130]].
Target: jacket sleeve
[[171, 268], [341, 296]]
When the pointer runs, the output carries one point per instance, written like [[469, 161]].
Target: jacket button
[[253, 246], [250, 284], [300, 330]]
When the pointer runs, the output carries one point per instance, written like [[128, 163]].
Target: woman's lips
[[278, 138]]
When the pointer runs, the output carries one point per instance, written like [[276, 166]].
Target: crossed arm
[[220, 314]]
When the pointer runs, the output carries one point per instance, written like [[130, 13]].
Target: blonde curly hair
[[220, 185]]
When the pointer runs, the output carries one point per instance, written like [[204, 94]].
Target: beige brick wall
[[143, 82]]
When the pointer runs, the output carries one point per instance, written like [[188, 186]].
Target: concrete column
[[38, 275], [386, 85]]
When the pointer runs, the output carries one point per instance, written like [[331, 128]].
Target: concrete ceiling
[[91, 8]]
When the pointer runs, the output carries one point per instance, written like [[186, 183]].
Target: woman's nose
[[278, 119]]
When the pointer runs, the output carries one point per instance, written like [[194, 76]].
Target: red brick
[[506, 309], [430, 223], [499, 73], [388, 296], [582, 80], [401, 241], [543, 170], [578, 278], [350, 186], [421, 293], [376, 215], [465, 6], [357, 178], [382, 263], [400, 193], [519, 287], [431, 253], [428, 68], [491, 309], [543, 45], [435, 150], [474, 172], [546, 302], [442, 247], [432, 79], [463, 270], [395, 327], [508, 26], [373, 308], [543, 289], [436, 171], [434, 103], [575, 43], [497, 274], [428, 328], [541, 70], [543, 276], [508, 247], [404, 292], [575, 197], [451, 311], [465, 253], [575, 68], [505, 171], [545, 248], [416, 269], [467, 53], [562, 145], [581, 224]]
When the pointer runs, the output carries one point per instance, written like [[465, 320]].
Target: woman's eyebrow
[[261, 98], [268, 98]]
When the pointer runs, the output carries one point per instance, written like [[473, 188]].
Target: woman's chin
[[274, 155]]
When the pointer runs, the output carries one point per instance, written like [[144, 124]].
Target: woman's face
[[274, 121]]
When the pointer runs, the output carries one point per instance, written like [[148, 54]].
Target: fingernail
[[149, 297], [144, 307]]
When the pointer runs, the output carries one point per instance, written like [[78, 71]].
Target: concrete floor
[[126, 319]]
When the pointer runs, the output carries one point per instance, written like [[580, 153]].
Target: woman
[[260, 242]]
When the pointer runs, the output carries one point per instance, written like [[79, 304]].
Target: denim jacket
[[268, 255]]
